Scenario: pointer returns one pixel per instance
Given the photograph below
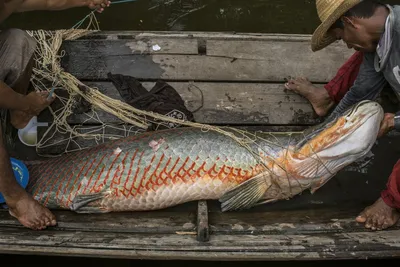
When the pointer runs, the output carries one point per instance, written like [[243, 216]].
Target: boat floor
[[241, 77]]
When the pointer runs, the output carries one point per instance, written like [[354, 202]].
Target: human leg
[[16, 58], [384, 212]]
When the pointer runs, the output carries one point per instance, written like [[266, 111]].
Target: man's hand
[[387, 124], [32, 5], [99, 5], [37, 101]]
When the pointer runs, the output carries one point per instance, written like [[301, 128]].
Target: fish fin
[[80, 201], [246, 194]]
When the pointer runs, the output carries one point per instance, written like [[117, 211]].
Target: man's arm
[[12, 6], [367, 86], [32, 103], [32, 5], [9, 99]]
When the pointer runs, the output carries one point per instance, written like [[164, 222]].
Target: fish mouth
[[366, 108]]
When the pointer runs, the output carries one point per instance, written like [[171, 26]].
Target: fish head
[[347, 137]]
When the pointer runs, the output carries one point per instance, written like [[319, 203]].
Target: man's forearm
[[367, 86], [32, 5], [9, 99]]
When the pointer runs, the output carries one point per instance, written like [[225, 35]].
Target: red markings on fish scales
[[178, 173], [81, 156], [223, 174], [44, 180], [201, 168], [173, 168], [213, 170], [118, 174], [191, 176], [85, 177], [146, 170], [72, 171], [93, 172], [69, 201], [164, 173], [51, 182], [154, 174], [54, 184], [136, 174], [95, 189], [108, 174], [129, 173]]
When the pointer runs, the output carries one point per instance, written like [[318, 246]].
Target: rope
[[79, 23]]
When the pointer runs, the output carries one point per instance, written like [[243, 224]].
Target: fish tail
[[247, 194]]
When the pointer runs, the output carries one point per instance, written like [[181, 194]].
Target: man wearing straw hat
[[16, 62], [373, 30]]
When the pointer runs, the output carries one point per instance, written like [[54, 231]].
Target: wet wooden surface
[[241, 78]]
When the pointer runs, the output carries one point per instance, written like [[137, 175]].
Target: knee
[[17, 39]]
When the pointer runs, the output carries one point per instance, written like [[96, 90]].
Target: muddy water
[[267, 16]]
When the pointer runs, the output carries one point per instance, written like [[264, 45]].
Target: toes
[[378, 225], [50, 219], [375, 224], [47, 221], [43, 224], [362, 217], [369, 222], [289, 85]]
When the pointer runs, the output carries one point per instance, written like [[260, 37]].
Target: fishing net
[[48, 74]]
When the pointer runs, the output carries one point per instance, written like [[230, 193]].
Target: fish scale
[[164, 168], [147, 170]]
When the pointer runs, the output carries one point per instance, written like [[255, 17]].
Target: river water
[[265, 16]]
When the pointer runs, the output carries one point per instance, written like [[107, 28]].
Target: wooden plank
[[220, 247], [118, 47], [203, 232], [180, 220], [199, 35], [193, 67], [322, 220], [291, 59], [221, 103], [283, 55]]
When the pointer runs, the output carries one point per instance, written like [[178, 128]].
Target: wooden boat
[[241, 77]]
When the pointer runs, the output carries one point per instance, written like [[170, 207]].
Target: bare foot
[[318, 97], [30, 213], [379, 216], [37, 101]]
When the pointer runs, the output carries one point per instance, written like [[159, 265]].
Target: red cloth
[[391, 195], [345, 77], [337, 88]]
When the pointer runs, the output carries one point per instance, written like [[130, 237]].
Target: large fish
[[160, 169]]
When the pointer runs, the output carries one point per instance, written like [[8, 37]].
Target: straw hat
[[329, 11]]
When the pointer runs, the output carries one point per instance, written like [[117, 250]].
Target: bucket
[[28, 135], [21, 173]]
